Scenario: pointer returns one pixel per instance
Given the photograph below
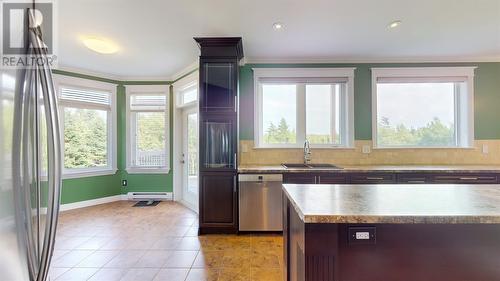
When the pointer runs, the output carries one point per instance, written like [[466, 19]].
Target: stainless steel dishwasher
[[260, 202]]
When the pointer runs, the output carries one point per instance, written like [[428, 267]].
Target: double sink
[[309, 166]]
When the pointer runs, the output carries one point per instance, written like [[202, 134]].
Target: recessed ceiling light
[[100, 45], [394, 24], [278, 26]]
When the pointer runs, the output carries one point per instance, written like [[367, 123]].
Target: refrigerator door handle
[[54, 151], [29, 112]]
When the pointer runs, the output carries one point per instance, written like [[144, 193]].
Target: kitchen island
[[392, 232]]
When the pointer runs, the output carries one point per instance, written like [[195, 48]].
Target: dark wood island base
[[391, 252]]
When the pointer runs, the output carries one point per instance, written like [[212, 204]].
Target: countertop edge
[[368, 169], [389, 219]]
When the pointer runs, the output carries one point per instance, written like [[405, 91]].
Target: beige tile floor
[[118, 242]]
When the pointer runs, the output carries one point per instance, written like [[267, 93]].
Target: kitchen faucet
[[307, 152]]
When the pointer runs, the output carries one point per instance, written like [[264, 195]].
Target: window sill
[[85, 174], [147, 171], [422, 147]]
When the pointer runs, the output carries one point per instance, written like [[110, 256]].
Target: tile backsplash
[[355, 156]]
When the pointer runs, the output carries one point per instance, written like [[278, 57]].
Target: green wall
[[486, 97], [87, 188]]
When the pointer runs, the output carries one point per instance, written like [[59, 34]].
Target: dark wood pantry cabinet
[[218, 205]]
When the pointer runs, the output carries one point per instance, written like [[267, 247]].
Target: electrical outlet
[[124, 182], [366, 149], [486, 149], [363, 235]]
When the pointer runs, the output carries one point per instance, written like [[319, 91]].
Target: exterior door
[[190, 157]]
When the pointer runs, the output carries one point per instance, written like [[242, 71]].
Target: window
[[186, 90], [87, 110], [422, 107], [147, 129], [295, 104]]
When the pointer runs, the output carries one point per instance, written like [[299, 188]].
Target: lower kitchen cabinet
[[373, 178], [218, 202], [331, 178], [413, 178], [465, 178], [390, 178], [299, 178]]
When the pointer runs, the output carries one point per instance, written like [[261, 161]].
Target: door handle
[[54, 149]]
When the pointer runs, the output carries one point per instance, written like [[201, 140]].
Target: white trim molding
[[92, 202], [362, 60], [61, 81], [147, 90], [464, 97], [186, 83], [345, 76]]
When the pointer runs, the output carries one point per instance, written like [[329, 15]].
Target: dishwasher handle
[[260, 177]]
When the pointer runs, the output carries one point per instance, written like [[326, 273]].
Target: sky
[[413, 105], [280, 101], [416, 104]]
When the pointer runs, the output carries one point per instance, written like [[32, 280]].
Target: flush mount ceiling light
[[394, 24], [100, 45], [278, 26]]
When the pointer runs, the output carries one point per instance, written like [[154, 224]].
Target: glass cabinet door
[[218, 86], [219, 150]]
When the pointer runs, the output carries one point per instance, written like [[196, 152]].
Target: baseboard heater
[[165, 196]]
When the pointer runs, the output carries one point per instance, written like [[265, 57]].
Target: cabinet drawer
[[331, 179], [299, 178], [373, 178], [465, 178], [413, 178]]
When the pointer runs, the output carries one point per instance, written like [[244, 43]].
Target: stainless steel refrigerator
[[30, 164]]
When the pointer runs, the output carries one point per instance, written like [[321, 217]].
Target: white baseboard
[[93, 202]]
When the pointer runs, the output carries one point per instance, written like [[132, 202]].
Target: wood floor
[[116, 241]]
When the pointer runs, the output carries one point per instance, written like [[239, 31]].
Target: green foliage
[[434, 133], [280, 134], [85, 138], [150, 131]]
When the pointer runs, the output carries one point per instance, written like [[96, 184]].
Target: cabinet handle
[[317, 179], [234, 184], [416, 181], [235, 103], [374, 178], [469, 178]]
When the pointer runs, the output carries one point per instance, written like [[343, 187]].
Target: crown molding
[[346, 60], [116, 78], [88, 72], [185, 71]]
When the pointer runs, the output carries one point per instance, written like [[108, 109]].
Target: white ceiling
[[156, 36]]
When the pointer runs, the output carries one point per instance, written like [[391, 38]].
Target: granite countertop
[[373, 168], [400, 204]]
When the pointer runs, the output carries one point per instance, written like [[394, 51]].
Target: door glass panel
[[192, 153], [218, 148], [218, 85]]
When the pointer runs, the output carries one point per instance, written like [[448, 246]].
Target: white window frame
[[184, 84], [147, 90], [464, 111], [60, 82], [346, 114]]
